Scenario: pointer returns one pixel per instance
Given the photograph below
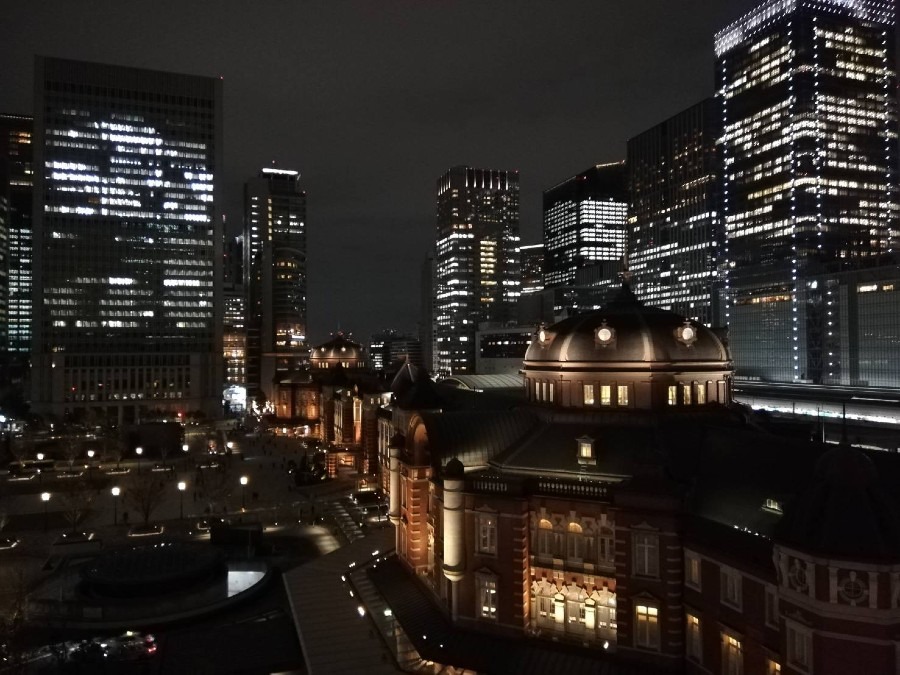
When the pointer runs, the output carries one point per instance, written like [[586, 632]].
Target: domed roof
[[339, 348], [626, 330], [846, 511]]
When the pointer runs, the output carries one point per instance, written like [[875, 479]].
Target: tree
[[15, 581], [71, 450], [76, 503], [144, 493], [217, 486], [114, 445]]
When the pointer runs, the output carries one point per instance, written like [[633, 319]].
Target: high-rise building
[[127, 233], [275, 265], [390, 349], [532, 268], [428, 284], [673, 219], [807, 93], [16, 154], [234, 297], [584, 222], [477, 259]]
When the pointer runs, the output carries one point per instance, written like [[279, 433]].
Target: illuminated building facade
[[673, 212], [478, 273], [275, 264], [584, 222], [16, 153], [127, 233], [532, 268], [624, 512], [390, 349], [807, 94], [234, 336]]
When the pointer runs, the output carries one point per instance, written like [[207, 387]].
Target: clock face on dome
[[604, 334], [542, 335], [686, 334]]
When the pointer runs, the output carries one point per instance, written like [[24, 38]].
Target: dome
[[626, 331], [338, 350], [846, 511], [628, 356]]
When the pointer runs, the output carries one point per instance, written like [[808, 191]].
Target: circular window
[[542, 335]]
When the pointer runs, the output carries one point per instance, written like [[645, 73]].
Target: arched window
[[545, 538], [574, 542], [607, 546]]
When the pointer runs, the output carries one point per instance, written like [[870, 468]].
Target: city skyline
[[369, 90]]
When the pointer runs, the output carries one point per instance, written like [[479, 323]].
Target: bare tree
[[71, 450], [15, 581], [217, 486], [113, 445], [76, 503], [144, 492]]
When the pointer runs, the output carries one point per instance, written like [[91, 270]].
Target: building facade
[[807, 93], [234, 297], [275, 264], [628, 510], [127, 234], [16, 153], [532, 268], [389, 349], [584, 222], [673, 219], [478, 272]]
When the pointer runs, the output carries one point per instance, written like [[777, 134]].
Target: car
[[74, 538], [9, 542], [146, 530]]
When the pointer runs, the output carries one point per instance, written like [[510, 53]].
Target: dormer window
[[586, 450], [773, 505]]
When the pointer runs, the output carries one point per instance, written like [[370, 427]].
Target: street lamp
[[181, 487], [185, 448], [40, 471], [116, 491], [45, 497], [244, 481], [139, 451], [90, 454]]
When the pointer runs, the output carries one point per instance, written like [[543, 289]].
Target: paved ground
[[255, 637]]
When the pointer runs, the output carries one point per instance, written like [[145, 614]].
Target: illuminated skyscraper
[[532, 268], [477, 260], [275, 265], [584, 222], [807, 94], [16, 154], [234, 297], [127, 233], [673, 218]]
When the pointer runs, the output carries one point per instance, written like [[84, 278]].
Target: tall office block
[[234, 298], [532, 268], [584, 222], [127, 232], [16, 153], [427, 286], [477, 263], [807, 94], [673, 218], [275, 264]]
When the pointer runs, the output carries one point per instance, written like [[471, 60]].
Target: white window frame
[[694, 638], [622, 395], [646, 625], [575, 542], [673, 395], [731, 588], [732, 655], [799, 647], [772, 619], [606, 546], [606, 394], [487, 597], [693, 570], [487, 534], [588, 390], [645, 550]]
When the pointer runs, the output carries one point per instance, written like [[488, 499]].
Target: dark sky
[[373, 100]]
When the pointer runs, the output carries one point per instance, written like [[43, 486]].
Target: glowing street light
[[139, 451], [90, 454], [244, 481], [116, 491], [181, 488], [45, 497]]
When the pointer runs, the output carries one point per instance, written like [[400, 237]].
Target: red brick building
[[628, 506]]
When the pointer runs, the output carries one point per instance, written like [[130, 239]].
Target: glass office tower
[[673, 218], [275, 264], [127, 233], [584, 222], [16, 154], [807, 93], [477, 260]]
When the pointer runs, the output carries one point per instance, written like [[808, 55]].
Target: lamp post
[[181, 487], [139, 451], [90, 454], [40, 471], [244, 481], [116, 491], [45, 497], [185, 448]]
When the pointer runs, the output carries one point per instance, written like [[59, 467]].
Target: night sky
[[372, 101]]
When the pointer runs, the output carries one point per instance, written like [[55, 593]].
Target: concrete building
[[807, 93], [127, 234], [477, 261], [674, 233], [275, 265]]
